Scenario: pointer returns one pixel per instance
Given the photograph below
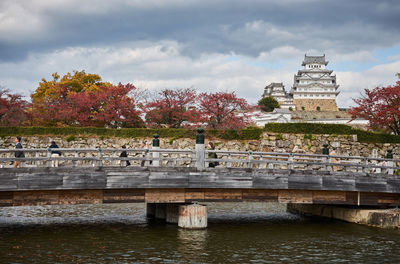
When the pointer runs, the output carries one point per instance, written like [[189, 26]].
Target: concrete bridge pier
[[189, 216], [192, 216]]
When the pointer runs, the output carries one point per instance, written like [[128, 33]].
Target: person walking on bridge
[[54, 154], [124, 155], [18, 154], [212, 155]]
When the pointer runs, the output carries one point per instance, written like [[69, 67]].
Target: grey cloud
[[217, 26]]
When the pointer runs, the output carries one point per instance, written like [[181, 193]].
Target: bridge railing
[[187, 158], [71, 157], [301, 161]]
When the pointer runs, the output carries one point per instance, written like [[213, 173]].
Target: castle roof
[[314, 59], [275, 85]]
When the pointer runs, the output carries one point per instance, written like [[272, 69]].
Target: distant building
[[277, 116], [315, 87], [277, 91]]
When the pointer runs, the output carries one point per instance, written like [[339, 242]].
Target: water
[[237, 233]]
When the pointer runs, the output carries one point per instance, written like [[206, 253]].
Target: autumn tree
[[13, 109], [381, 107], [224, 110], [268, 104], [172, 108], [57, 90], [107, 106]]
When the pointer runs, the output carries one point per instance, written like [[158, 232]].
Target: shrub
[[251, 133], [308, 136], [70, 138], [331, 129]]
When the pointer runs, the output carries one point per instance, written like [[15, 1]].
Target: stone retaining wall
[[312, 104], [269, 142]]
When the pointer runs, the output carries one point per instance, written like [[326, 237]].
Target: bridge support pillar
[[161, 211], [189, 216], [173, 213], [192, 216], [150, 210]]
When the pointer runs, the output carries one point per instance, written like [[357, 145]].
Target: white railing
[[72, 157], [300, 161]]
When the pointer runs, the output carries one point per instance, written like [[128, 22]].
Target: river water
[[237, 233]]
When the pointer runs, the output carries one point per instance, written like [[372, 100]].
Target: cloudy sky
[[210, 45]]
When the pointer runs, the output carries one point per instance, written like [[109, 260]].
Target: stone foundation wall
[[312, 104], [385, 218], [269, 142]]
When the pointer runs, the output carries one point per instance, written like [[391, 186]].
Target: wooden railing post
[[114, 161], [389, 163], [290, 159], [48, 162], [250, 159], [37, 155], [100, 163], [146, 156], [325, 151], [75, 162], [330, 168], [229, 164], [156, 146], [366, 169], [200, 149]]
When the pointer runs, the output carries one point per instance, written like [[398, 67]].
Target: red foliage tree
[[381, 107], [221, 110], [173, 108], [108, 106], [13, 109]]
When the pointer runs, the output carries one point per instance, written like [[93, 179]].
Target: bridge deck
[[47, 185]]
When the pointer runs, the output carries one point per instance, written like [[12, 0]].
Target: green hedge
[[337, 129], [245, 134], [252, 133]]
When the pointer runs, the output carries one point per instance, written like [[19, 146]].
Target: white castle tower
[[315, 87], [277, 91]]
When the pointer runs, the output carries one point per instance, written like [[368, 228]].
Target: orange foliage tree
[[83, 100]]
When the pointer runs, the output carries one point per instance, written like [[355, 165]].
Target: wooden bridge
[[183, 176]]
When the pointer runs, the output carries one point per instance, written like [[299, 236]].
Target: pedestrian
[[212, 155], [54, 154], [18, 154], [124, 155]]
